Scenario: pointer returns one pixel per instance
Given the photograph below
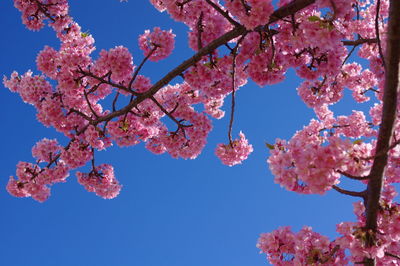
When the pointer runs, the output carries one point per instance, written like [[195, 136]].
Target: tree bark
[[388, 118]]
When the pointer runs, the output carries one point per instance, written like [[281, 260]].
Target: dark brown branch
[[360, 41], [273, 50], [102, 80], [369, 89], [104, 128], [49, 164], [361, 194], [225, 14], [349, 54], [334, 9], [352, 176], [289, 9], [82, 130], [246, 7], [294, 25], [115, 101], [392, 255], [378, 5], [140, 67], [169, 114], [181, 5], [357, 7], [90, 105], [388, 117], [229, 48], [72, 110], [93, 164], [44, 10], [234, 54], [200, 29]]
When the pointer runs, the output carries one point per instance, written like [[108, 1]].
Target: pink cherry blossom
[[76, 154], [157, 44], [117, 62], [251, 13], [101, 181], [234, 153], [46, 150]]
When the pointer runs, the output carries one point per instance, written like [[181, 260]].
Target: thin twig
[[115, 101], [140, 67], [360, 41], [169, 114], [234, 54], [349, 54], [392, 255], [72, 110], [352, 176], [361, 194], [102, 80], [89, 104], [246, 7], [378, 5], [225, 14], [199, 27], [44, 10], [93, 165]]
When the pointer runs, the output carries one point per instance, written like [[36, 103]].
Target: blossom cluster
[[34, 13], [100, 180], [234, 152], [34, 181], [157, 44], [251, 13], [283, 247]]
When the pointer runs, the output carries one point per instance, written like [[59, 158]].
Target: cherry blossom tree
[[98, 102]]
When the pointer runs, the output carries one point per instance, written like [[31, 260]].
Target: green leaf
[[358, 141], [272, 65], [85, 34], [269, 146], [314, 18], [326, 25], [208, 64]]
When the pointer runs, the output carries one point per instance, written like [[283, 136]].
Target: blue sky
[[170, 212]]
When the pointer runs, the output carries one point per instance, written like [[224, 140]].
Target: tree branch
[[225, 14], [352, 176], [378, 5], [388, 117], [289, 9], [140, 66], [169, 114], [44, 10], [72, 110], [392, 255], [361, 194], [360, 41], [89, 104], [102, 80], [234, 55]]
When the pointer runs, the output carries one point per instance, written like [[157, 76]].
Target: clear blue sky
[[170, 212]]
